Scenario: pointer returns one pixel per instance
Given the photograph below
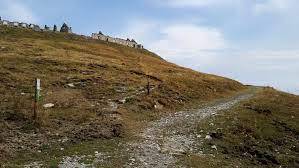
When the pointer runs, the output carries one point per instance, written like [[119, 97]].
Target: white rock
[[214, 147], [208, 137], [23, 93], [48, 105], [96, 152], [61, 149], [64, 140], [71, 85], [123, 101], [198, 136]]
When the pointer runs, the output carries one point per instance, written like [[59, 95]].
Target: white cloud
[[185, 41], [140, 30], [194, 3], [205, 49], [178, 41], [17, 11]]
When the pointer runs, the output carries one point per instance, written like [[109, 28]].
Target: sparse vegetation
[[261, 132], [98, 90]]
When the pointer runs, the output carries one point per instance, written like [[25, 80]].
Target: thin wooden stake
[[148, 85], [36, 98]]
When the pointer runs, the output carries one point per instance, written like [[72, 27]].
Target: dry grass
[[98, 70], [262, 132]]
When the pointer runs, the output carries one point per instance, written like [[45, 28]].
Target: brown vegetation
[[262, 132], [97, 88]]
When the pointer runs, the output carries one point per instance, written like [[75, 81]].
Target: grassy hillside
[[262, 132], [98, 89]]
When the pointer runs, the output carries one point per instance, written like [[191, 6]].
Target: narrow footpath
[[164, 139]]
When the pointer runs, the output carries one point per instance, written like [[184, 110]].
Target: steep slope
[[98, 89]]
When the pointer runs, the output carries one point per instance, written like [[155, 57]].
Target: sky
[[253, 41]]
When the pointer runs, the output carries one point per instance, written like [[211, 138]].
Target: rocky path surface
[[161, 143], [163, 140]]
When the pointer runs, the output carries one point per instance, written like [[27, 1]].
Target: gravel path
[[163, 140], [159, 144]]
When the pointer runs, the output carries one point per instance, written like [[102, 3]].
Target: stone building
[[5, 22], [130, 43], [24, 25], [34, 27], [46, 28], [65, 28], [14, 24]]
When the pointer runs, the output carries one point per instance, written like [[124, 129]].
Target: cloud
[[140, 30], [206, 49], [193, 3], [178, 42], [17, 11], [188, 41]]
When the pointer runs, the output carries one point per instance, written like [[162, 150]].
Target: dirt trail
[[159, 144], [163, 140]]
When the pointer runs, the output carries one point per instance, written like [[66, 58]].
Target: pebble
[[208, 137], [214, 147], [48, 105], [71, 85]]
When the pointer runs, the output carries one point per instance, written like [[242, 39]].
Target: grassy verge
[[261, 132]]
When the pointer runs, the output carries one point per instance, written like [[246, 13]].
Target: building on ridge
[[65, 28], [130, 43]]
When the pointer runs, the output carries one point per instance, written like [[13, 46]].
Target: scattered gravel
[[75, 161], [72, 162], [163, 140], [34, 165]]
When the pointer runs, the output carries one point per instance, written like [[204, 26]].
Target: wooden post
[[148, 85], [36, 97]]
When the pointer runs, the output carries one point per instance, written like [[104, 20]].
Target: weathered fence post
[[36, 97], [148, 85]]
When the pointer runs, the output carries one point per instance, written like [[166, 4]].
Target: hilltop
[[98, 89]]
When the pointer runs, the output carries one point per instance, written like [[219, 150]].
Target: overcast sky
[[253, 41]]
